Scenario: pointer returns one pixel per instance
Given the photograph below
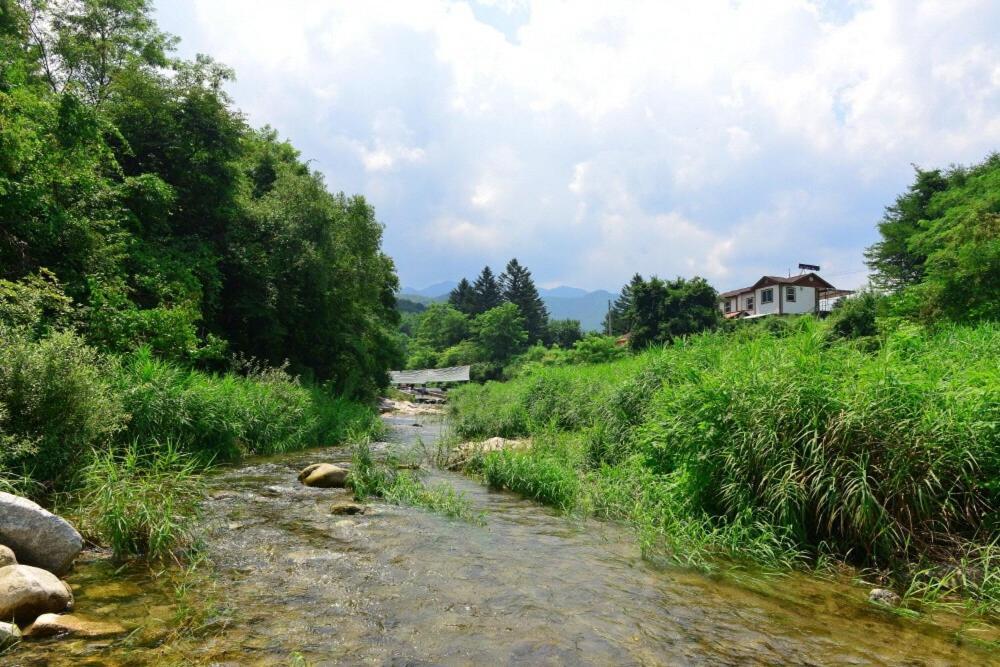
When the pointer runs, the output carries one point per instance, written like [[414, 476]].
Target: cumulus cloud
[[595, 139]]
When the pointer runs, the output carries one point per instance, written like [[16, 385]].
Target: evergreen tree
[[463, 297], [519, 289], [618, 322], [488, 294], [895, 260], [664, 310]]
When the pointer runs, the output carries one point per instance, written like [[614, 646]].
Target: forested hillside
[[129, 182], [177, 288]]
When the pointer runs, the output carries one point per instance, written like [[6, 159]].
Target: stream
[[287, 582]]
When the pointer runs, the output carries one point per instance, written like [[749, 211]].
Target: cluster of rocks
[[329, 476], [36, 549], [405, 408], [463, 453]]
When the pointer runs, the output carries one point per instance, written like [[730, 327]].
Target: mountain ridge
[[563, 302]]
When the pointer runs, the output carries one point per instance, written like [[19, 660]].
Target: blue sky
[[595, 139]]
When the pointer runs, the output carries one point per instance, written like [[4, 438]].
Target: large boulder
[[37, 536], [50, 625], [27, 592], [324, 476]]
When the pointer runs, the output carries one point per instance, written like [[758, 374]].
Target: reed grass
[[780, 446], [369, 478]]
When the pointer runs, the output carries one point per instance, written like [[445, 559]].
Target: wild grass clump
[[138, 500], [225, 417], [369, 478], [772, 444]]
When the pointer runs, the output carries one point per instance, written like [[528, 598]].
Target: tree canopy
[[127, 175], [939, 254]]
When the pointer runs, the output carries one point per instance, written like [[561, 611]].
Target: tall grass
[[70, 418], [139, 500], [769, 445], [370, 478]]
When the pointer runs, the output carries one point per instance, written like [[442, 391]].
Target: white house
[[775, 295]]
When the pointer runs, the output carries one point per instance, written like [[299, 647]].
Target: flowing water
[[290, 583]]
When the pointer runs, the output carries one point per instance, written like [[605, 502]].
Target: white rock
[[26, 592], [37, 536]]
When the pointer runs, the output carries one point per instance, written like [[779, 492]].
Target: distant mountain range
[[564, 303]]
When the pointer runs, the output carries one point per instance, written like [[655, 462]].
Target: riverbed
[[285, 581]]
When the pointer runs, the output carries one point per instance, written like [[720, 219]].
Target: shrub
[[55, 405]]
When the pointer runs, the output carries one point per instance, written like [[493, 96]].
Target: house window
[[749, 303], [767, 296], [729, 305], [790, 293]]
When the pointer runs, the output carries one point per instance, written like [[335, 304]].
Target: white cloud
[[593, 139]]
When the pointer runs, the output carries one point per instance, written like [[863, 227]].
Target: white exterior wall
[[766, 308], [805, 300]]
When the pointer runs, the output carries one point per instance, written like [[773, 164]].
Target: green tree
[[84, 44], [501, 332], [464, 298], [616, 322], [563, 333], [519, 289], [896, 260], [488, 293], [441, 326], [664, 310]]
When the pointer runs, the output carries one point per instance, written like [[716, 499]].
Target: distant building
[[775, 295]]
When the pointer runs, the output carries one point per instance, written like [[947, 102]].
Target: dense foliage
[[657, 311], [486, 324], [769, 446], [939, 253], [127, 177], [176, 288]]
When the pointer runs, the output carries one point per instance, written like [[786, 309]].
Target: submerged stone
[[37, 536], [324, 476], [884, 596], [50, 625], [347, 508], [27, 592]]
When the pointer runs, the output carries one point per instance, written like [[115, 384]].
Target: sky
[[594, 140]]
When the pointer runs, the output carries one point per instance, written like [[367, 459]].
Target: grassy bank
[[118, 442], [783, 447]]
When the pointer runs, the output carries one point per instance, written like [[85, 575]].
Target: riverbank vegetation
[[177, 288], [870, 438]]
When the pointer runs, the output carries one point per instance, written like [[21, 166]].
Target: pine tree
[[463, 297], [619, 320], [519, 289], [487, 293]]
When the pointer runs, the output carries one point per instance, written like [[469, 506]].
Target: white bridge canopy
[[426, 375]]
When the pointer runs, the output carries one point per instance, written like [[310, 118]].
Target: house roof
[[735, 292], [805, 280]]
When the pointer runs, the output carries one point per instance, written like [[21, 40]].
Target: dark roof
[[806, 279]]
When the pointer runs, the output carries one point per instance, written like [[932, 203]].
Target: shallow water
[[399, 585]]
